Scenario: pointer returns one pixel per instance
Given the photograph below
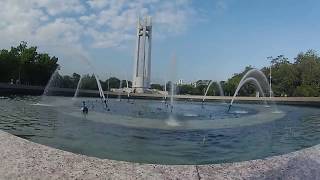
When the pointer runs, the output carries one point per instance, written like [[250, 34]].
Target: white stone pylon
[[142, 61]]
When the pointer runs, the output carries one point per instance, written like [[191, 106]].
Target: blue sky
[[211, 39]]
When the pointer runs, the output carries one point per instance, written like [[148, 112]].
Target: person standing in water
[[84, 108], [105, 102]]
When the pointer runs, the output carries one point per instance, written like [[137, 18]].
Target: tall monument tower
[[142, 61]]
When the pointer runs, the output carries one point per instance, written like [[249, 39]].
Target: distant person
[[105, 102], [84, 108]]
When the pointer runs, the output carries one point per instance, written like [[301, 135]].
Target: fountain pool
[[146, 131]]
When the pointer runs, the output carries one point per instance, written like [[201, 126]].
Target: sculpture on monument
[[142, 61]]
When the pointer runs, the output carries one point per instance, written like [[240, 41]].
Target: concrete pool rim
[[23, 159]]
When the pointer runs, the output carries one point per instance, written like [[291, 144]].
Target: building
[[180, 82], [201, 83], [142, 61]]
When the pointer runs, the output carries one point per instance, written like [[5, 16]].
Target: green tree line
[[25, 65], [298, 77], [89, 82]]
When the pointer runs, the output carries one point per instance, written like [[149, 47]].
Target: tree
[[284, 76], [124, 83], [113, 82], [306, 90], [89, 82], [25, 64], [157, 86], [75, 79], [231, 85], [308, 66], [186, 89]]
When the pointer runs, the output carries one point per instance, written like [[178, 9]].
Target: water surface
[[147, 132]]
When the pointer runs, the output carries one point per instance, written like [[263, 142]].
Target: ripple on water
[[40, 104], [190, 115], [172, 122], [240, 112]]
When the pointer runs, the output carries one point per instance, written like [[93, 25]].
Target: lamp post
[[270, 77]]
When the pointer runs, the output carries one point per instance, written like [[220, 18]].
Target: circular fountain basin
[[146, 131]]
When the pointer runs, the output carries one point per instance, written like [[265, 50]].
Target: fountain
[[85, 59], [53, 83], [101, 93], [127, 90], [172, 121], [259, 80], [78, 88], [50, 82], [119, 91], [221, 93], [164, 98], [173, 78], [100, 88], [172, 92]]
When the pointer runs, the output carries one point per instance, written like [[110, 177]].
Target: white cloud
[[108, 39], [97, 4], [19, 20], [56, 7], [23, 20], [174, 17], [103, 23], [120, 16], [61, 30], [87, 19]]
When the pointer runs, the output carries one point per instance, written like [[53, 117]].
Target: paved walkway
[[22, 159]]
